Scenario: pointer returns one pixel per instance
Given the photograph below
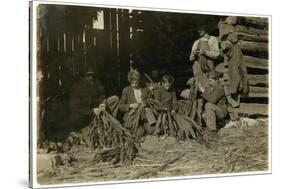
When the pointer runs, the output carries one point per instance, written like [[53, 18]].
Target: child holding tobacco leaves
[[168, 100], [138, 117], [170, 122]]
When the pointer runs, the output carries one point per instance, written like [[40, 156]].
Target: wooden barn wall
[[63, 57]]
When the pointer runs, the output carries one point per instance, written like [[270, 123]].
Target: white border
[[33, 98]]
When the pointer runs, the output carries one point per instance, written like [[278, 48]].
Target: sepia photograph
[[137, 94]]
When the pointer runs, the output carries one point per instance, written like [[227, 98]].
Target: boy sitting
[[169, 121], [168, 100], [133, 104]]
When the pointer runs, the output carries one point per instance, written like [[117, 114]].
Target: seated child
[[170, 121], [133, 99], [165, 95], [168, 100]]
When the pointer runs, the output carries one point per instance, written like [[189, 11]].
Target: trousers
[[201, 77], [213, 112]]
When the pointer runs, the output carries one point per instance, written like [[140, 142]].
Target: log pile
[[252, 36]]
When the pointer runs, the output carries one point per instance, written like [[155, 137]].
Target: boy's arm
[[193, 49], [124, 106]]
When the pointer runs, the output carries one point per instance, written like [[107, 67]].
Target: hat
[[225, 45]]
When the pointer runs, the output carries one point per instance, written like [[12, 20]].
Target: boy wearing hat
[[87, 98], [204, 51], [215, 102]]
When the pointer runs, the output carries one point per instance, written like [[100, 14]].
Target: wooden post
[[72, 44], [64, 42], [84, 46], [48, 44], [58, 44]]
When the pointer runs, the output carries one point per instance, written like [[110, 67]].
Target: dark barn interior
[[69, 43], [73, 38]]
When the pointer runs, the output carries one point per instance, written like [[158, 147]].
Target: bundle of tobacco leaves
[[137, 119], [177, 125], [123, 154], [114, 142], [168, 123], [105, 132]]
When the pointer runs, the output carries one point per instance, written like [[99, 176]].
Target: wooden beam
[[259, 89], [252, 109], [258, 92], [251, 37], [258, 79], [253, 46], [225, 29], [257, 95], [259, 21], [251, 30], [253, 62]]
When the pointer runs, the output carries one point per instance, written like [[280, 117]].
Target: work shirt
[[167, 98], [213, 51], [138, 95], [128, 97]]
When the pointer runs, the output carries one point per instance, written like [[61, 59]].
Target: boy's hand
[[173, 111], [192, 57], [201, 52], [102, 107], [212, 82], [150, 86], [96, 111], [134, 105]]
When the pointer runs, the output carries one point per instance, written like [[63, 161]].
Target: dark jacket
[[168, 99], [83, 98], [128, 98]]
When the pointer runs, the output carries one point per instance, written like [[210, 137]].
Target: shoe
[[181, 141], [232, 102], [164, 136]]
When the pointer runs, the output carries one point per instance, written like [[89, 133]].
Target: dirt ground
[[235, 148]]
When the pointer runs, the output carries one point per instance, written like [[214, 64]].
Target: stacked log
[[251, 34]]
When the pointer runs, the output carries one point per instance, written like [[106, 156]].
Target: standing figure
[[204, 51], [234, 71]]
